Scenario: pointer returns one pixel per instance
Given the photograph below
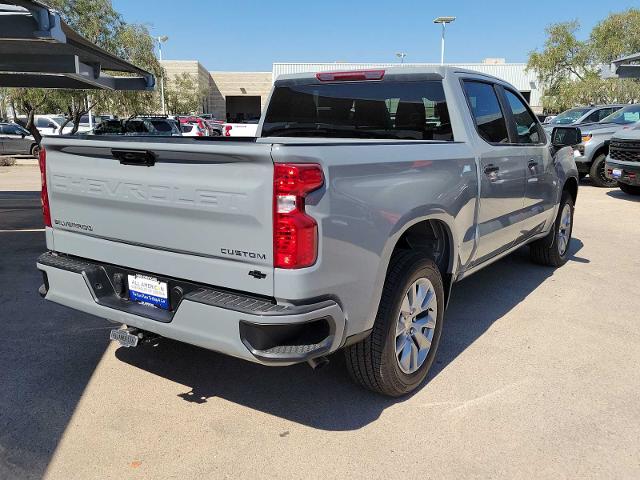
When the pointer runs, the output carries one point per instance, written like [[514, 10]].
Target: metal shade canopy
[[38, 49], [627, 67]]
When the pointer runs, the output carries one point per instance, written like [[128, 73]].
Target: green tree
[[182, 94], [616, 36], [569, 68]]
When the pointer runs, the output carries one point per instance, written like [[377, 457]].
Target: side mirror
[[566, 137], [23, 134]]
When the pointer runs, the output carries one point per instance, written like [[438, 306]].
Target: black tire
[[547, 251], [597, 174], [629, 189], [35, 150], [372, 362]]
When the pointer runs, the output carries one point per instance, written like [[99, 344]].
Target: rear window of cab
[[401, 110]]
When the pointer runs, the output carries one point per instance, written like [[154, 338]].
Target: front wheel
[[629, 189], [553, 250], [395, 358], [597, 173]]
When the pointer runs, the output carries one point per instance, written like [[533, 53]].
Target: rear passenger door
[[502, 172], [11, 139], [529, 143]]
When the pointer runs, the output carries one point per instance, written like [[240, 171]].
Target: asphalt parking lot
[[536, 377]]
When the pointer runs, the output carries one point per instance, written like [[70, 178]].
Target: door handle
[[491, 169]]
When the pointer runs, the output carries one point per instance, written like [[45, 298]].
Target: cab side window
[[486, 111], [595, 116], [605, 112], [527, 127]]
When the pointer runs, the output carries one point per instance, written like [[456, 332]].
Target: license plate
[[616, 173], [124, 338], [148, 290]]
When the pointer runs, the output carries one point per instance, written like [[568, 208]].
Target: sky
[[250, 35]]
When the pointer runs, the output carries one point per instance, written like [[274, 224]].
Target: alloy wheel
[[416, 325]]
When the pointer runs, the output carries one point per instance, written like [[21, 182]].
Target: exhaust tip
[[318, 362]]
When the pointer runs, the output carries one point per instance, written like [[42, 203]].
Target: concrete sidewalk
[[21, 177]]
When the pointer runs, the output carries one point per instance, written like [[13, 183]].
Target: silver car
[[578, 115], [15, 140]]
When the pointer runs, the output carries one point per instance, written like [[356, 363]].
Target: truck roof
[[390, 73]]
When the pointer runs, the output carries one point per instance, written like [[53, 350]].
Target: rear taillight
[[295, 234], [44, 194], [227, 130]]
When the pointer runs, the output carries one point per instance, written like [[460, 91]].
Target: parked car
[[146, 126], [193, 130], [623, 161], [591, 154], [51, 124], [329, 231], [203, 128], [15, 140], [580, 115], [85, 126], [210, 117], [215, 127]]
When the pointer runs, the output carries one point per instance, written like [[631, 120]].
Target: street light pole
[[443, 21], [161, 39], [442, 44], [401, 56]]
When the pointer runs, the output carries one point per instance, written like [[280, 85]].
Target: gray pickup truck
[[592, 152], [623, 162], [344, 225]]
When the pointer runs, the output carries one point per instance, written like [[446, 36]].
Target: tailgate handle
[[143, 158]]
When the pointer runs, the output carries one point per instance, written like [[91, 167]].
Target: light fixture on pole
[[401, 56], [443, 21], [162, 39]]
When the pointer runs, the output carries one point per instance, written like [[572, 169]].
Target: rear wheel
[[597, 173], [395, 358], [35, 150], [553, 250], [629, 189]]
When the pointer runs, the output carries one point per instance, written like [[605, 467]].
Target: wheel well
[[571, 186], [431, 237], [602, 150]]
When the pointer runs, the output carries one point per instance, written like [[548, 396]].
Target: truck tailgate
[[202, 211]]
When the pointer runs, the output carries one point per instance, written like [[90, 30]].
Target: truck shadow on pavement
[[326, 399], [619, 194], [46, 360]]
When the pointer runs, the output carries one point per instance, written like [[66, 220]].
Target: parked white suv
[[50, 124]]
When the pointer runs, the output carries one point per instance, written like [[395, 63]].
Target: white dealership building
[[242, 95]]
